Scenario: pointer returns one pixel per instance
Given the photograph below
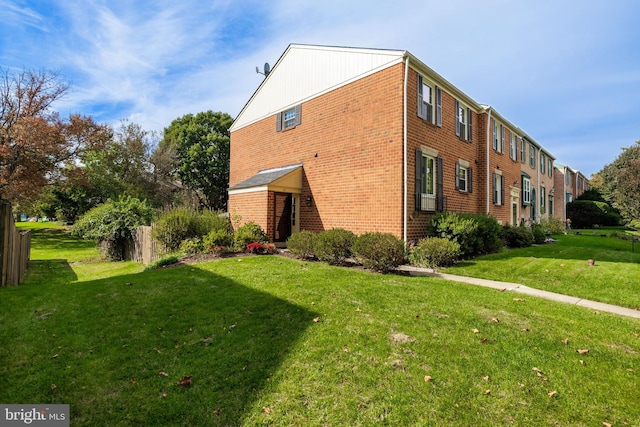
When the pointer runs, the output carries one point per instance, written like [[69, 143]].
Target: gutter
[[405, 202], [488, 153]]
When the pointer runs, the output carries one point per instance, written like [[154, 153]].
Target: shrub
[[217, 238], [177, 225], [250, 232], [587, 213], [379, 251], [434, 252], [192, 246], [538, 234], [301, 244], [516, 237], [113, 224], [553, 225], [333, 246], [475, 233]]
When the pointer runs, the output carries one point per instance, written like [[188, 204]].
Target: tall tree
[[620, 183], [34, 141], [199, 146]]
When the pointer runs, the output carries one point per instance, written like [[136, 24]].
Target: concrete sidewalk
[[522, 289]]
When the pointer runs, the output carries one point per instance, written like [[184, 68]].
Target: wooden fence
[[144, 248], [15, 248]]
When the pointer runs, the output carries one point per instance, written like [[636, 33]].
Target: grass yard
[[563, 268], [268, 340]]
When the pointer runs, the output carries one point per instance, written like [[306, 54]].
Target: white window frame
[[463, 178], [513, 147], [498, 184], [526, 190], [428, 183], [532, 156]]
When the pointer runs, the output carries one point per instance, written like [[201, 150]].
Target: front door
[[282, 217]]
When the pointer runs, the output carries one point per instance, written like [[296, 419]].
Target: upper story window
[[288, 119], [532, 156], [429, 101], [498, 137], [463, 121], [513, 146], [550, 169], [523, 151], [543, 162]]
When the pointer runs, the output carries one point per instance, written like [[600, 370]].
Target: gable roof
[[268, 178], [324, 68]]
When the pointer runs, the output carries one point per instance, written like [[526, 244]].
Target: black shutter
[[469, 130], [298, 114], [439, 185], [470, 180], [418, 180], [420, 98], [457, 175], [278, 122], [438, 106], [457, 118], [501, 190]]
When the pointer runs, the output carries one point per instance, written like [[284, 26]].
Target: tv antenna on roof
[[267, 69]]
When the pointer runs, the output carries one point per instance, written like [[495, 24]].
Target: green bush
[[476, 234], [588, 213], [379, 251], [113, 224], [177, 225], [434, 252], [192, 246], [301, 244], [553, 225], [248, 233], [217, 238], [538, 234], [516, 237], [333, 246]]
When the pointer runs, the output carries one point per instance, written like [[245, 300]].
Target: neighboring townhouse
[[374, 140], [569, 184], [537, 182]]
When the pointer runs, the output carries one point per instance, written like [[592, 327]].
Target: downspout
[[539, 204], [405, 201], [564, 194], [488, 152]]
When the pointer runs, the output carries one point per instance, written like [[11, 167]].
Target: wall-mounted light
[[515, 183], [552, 191], [308, 199]]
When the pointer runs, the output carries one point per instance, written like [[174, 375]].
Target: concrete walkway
[[522, 289]]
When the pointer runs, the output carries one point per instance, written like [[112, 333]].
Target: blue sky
[[565, 71]]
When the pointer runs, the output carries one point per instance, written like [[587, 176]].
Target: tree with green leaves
[[195, 150], [620, 183]]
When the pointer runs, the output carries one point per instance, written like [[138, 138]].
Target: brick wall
[[350, 142]]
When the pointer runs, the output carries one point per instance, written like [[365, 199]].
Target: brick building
[[375, 140]]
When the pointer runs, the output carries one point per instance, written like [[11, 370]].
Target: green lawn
[[562, 267], [268, 340]]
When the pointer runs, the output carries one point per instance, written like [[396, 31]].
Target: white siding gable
[[304, 72]]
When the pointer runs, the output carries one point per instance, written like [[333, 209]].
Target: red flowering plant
[[260, 248]]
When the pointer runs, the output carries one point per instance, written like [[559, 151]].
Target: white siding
[[304, 72]]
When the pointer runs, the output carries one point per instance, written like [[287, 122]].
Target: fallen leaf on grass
[[54, 387], [565, 341], [185, 381], [630, 370], [552, 393], [427, 378], [486, 378], [526, 330], [583, 363], [606, 424], [561, 265], [164, 395], [316, 319], [518, 299], [484, 340], [475, 331], [217, 412], [55, 356], [487, 392], [163, 373], [133, 380], [495, 320], [266, 410], [585, 351]]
